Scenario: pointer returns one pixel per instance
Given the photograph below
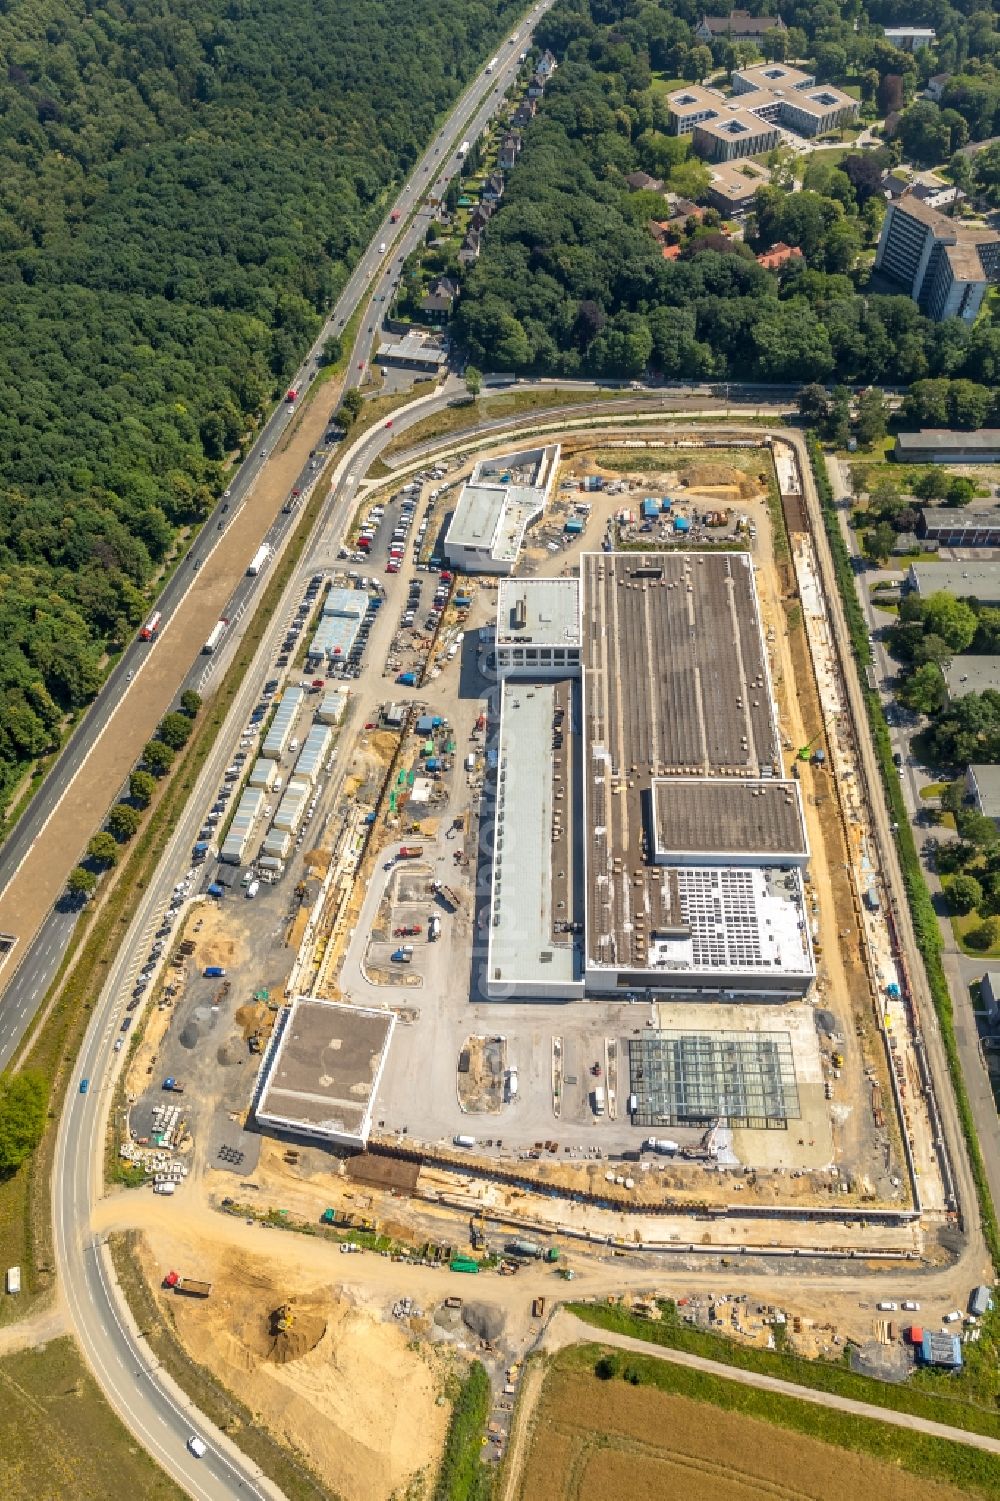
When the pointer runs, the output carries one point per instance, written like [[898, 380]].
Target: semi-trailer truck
[[292, 394], [258, 560], [151, 629], [463, 151], [215, 636]]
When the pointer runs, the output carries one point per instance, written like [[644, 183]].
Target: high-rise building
[[945, 265]]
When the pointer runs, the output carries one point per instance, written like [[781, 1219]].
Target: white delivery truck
[[13, 1280], [215, 636], [258, 560]]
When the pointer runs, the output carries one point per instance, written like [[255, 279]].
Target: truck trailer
[[214, 637], [189, 1285], [151, 629], [258, 560]]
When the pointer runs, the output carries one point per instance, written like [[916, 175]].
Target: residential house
[[546, 64], [469, 253], [481, 216], [510, 150], [641, 182], [739, 26], [524, 114], [670, 252], [936, 87], [492, 189], [536, 88], [779, 255], [924, 186], [435, 309]]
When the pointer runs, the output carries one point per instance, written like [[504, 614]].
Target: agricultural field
[[640, 1434]]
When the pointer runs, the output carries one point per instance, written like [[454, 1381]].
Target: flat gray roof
[[972, 675], [935, 439], [967, 580], [707, 816], [323, 1074], [941, 518], [987, 779], [532, 846], [477, 515], [548, 609]]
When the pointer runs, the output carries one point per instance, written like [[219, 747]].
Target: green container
[[464, 1264]]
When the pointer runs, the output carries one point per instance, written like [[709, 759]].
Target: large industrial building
[[501, 499], [322, 1069], [646, 840]]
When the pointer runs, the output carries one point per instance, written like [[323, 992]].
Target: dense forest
[[571, 281], [182, 185]]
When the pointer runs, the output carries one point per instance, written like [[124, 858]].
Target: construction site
[[653, 1016]]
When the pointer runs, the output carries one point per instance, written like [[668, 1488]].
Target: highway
[[147, 1401], [29, 971]]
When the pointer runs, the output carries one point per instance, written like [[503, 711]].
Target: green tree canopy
[[23, 1106]]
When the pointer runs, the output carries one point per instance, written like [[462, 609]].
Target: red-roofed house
[[671, 252], [779, 255]]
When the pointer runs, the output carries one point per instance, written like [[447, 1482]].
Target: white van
[[252, 890], [198, 1446]]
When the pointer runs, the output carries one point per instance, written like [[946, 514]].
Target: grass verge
[[289, 1471], [925, 925], [464, 413], [970, 1470], [463, 1476], [58, 1436], [956, 1408]]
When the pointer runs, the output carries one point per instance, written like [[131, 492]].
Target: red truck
[[394, 216], [292, 394], [189, 1285], [151, 629], [410, 851]]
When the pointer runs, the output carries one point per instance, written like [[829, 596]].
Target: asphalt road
[[148, 1401], [36, 958]]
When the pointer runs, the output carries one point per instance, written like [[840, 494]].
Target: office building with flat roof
[[971, 674], [538, 627], [960, 528], [501, 499], [965, 580], [775, 96]]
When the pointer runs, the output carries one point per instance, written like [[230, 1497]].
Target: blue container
[[681, 524]]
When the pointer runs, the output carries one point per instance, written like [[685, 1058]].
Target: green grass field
[[60, 1439]]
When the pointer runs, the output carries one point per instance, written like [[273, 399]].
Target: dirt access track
[[41, 877]]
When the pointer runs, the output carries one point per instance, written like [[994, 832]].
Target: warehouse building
[[321, 1071], [940, 445], [646, 840], [501, 499], [960, 528], [338, 627]]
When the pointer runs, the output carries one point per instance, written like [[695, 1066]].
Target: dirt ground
[[591, 1438], [357, 1396]]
